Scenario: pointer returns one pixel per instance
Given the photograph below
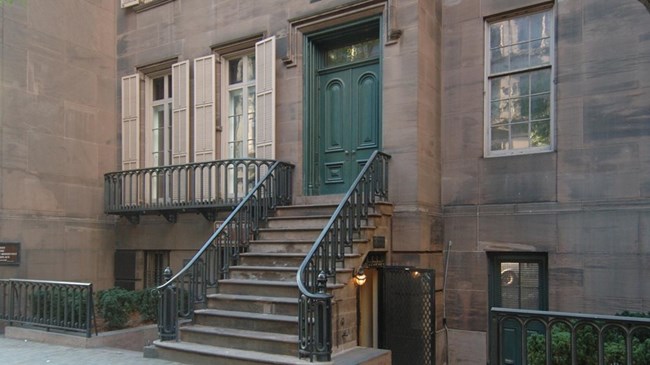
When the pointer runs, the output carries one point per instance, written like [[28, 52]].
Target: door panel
[[350, 123]]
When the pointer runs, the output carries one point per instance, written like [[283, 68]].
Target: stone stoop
[[254, 317]]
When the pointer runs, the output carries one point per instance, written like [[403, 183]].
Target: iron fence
[[65, 306], [542, 337], [200, 187], [190, 286], [315, 304]]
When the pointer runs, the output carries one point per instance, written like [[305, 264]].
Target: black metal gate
[[407, 315]]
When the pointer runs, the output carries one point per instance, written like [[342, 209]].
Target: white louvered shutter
[[180, 128], [265, 98], [204, 126], [180, 112], [130, 122], [204, 113]]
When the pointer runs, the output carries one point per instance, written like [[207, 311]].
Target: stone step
[[292, 222], [198, 354], [272, 343], [266, 287], [254, 303], [279, 259], [274, 273], [271, 259], [261, 322], [287, 246], [302, 233]]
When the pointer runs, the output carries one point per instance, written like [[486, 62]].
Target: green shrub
[[116, 305]]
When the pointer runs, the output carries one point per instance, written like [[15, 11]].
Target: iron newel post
[[168, 312]]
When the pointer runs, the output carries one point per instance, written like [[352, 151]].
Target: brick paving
[[23, 352]]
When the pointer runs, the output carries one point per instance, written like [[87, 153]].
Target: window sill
[[150, 5], [517, 153]]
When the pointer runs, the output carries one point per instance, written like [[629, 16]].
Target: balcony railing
[[315, 304], [202, 187], [58, 305], [545, 338]]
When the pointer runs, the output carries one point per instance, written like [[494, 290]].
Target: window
[[241, 106], [518, 281], [249, 130], [154, 267], [519, 105]]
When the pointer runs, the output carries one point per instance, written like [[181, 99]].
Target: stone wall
[[58, 137]]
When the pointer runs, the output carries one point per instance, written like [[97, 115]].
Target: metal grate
[[407, 315]]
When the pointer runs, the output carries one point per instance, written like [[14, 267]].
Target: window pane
[[499, 59], [509, 284], [498, 86], [500, 113], [496, 35], [529, 285], [519, 109], [519, 84], [500, 137], [169, 86], [540, 25], [251, 67], [540, 107], [235, 71], [352, 53], [540, 133], [251, 122], [540, 53], [519, 28], [520, 135], [519, 54], [159, 88], [540, 81]]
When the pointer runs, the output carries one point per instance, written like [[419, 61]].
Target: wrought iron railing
[[541, 337], [315, 304], [200, 187], [59, 305], [190, 286]]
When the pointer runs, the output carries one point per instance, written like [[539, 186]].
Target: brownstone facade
[[583, 204]]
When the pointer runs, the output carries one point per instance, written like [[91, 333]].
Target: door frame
[[312, 56], [494, 290]]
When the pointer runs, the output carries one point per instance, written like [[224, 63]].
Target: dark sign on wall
[[9, 253]]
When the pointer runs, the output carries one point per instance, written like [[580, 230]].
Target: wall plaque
[[9, 253]]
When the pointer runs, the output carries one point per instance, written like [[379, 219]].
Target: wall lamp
[[360, 277]]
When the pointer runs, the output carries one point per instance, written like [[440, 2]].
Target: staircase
[[254, 317]]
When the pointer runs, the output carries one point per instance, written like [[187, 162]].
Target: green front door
[[349, 129]]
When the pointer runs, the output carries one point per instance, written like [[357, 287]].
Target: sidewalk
[[23, 352]]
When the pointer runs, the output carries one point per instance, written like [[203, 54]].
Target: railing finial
[[322, 282]]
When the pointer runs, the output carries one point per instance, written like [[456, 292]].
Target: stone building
[[517, 133]]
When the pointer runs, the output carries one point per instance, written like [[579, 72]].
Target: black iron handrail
[[189, 287], [188, 187], [315, 304], [539, 329], [60, 305]]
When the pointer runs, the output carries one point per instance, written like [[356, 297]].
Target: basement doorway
[[407, 314]]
